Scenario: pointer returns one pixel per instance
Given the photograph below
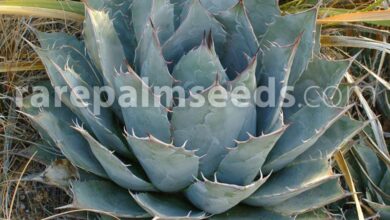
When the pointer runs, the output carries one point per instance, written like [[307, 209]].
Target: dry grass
[[19, 66]]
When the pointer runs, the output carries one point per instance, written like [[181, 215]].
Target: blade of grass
[[356, 42], [44, 8], [20, 66], [348, 178], [366, 16]]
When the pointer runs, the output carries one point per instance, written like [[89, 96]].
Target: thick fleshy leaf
[[114, 167], [216, 6], [274, 76], [120, 13], [163, 18], [56, 123], [306, 127], [242, 164], [216, 198], [247, 81], [169, 168], [181, 9], [320, 79], [150, 63], [168, 207], [190, 32], [161, 12], [295, 24], [262, 13], [209, 128], [105, 197], [142, 110], [199, 67], [337, 135], [104, 45], [310, 200], [240, 39], [99, 120], [242, 212], [67, 50], [293, 180], [140, 16]]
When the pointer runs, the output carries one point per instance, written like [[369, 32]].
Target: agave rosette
[[183, 162]]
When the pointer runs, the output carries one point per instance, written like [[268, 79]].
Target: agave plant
[[186, 162]]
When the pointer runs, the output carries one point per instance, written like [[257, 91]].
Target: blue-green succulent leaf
[[106, 49], [149, 61], [262, 13], [318, 197], [242, 164], [306, 127], [168, 207], [67, 50], [190, 33], [241, 41], [114, 167], [56, 123], [199, 67], [120, 13], [293, 180], [170, 168], [216, 198], [105, 197], [217, 6], [141, 11], [383, 210], [99, 120], [208, 127], [247, 80], [242, 212], [273, 75], [371, 163], [295, 24], [336, 136], [319, 80], [142, 110], [162, 16]]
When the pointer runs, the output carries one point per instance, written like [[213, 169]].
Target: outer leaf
[[337, 135], [144, 114], [207, 128], [55, 123], [242, 212], [190, 33], [200, 67], [384, 210], [315, 82], [295, 24], [168, 207], [169, 168], [140, 16], [371, 163], [105, 197], [241, 40], [216, 198], [102, 122], [318, 197], [307, 126], [114, 167], [262, 13], [242, 164], [293, 180]]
